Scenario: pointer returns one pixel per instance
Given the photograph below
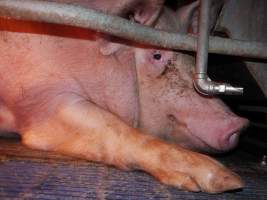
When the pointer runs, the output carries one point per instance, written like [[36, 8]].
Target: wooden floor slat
[[29, 174]]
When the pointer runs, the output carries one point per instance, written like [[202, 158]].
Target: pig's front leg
[[82, 129]]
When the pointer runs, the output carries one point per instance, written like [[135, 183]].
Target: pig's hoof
[[179, 180], [221, 181], [213, 177], [196, 172]]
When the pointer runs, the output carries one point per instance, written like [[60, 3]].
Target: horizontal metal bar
[[254, 144], [50, 12], [258, 125], [261, 109]]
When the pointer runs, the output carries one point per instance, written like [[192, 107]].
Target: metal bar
[[203, 38], [258, 125], [201, 81], [58, 13], [260, 109]]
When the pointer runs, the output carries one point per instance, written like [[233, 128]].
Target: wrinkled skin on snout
[[75, 92]]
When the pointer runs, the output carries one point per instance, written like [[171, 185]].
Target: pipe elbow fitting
[[205, 86]]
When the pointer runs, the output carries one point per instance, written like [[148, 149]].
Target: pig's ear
[[143, 12], [108, 48], [188, 16], [147, 12]]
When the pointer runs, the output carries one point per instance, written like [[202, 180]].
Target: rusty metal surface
[[87, 18], [28, 174]]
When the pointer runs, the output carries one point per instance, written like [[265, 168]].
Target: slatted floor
[[28, 174]]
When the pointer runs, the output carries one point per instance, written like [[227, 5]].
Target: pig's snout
[[213, 134], [229, 139]]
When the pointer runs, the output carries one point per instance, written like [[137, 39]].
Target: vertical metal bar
[[201, 80], [203, 38]]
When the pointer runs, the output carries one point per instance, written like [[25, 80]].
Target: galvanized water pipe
[[201, 80], [58, 13]]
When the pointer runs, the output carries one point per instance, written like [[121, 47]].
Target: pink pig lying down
[[79, 93]]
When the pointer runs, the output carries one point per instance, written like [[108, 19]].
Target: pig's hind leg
[[80, 128]]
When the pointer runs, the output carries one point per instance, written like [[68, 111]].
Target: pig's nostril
[[233, 139], [230, 140], [228, 143]]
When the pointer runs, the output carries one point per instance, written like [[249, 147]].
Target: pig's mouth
[[218, 142]]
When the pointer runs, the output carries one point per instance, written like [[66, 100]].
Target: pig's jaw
[[182, 136]]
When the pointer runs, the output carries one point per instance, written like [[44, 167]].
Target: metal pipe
[[201, 80], [51, 12], [203, 38]]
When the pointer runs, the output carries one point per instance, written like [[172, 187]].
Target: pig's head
[[170, 107]]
